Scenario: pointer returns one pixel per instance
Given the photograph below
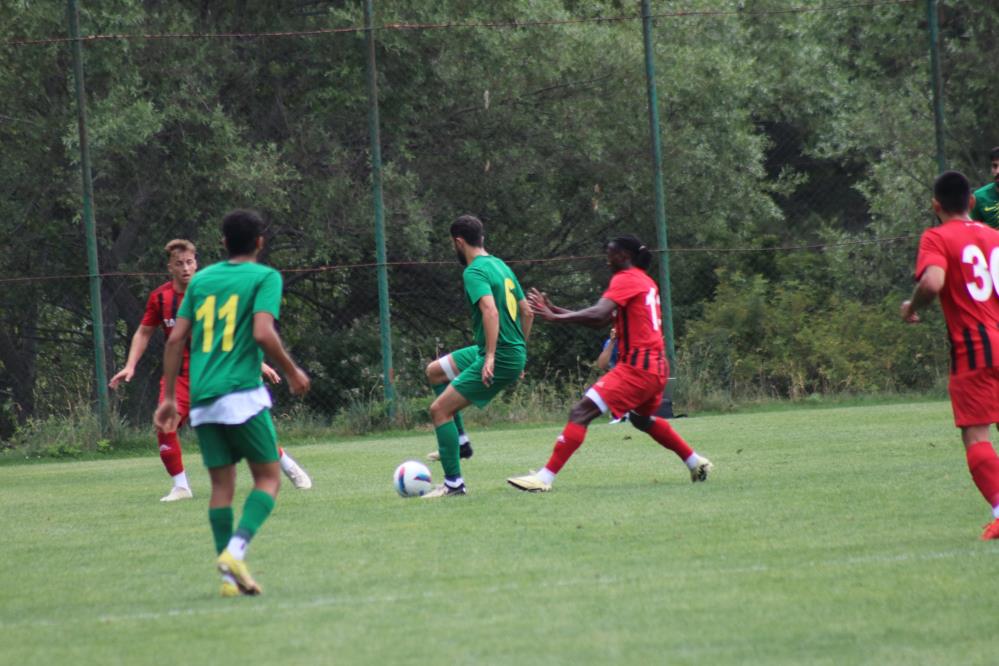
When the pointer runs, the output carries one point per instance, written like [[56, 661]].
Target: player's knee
[[438, 412], [430, 371], [641, 422]]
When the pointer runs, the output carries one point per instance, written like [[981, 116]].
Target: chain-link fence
[[798, 148]]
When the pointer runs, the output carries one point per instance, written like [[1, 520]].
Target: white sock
[[995, 511], [546, 475], [286, 462], [180, 481], [237, 546], [693, 461], [455, 483], [462, 439]]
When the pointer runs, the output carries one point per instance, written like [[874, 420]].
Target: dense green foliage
[[778, 130]]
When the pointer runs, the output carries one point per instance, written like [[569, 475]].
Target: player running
[[986, 207], [161, 310], [958, 261], [636, 383], [228, 318], [501, 319]]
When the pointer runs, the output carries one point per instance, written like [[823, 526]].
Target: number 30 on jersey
[[986, 273]]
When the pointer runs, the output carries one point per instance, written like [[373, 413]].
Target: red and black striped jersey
[[161, 310], [639, 320], [969, 254]]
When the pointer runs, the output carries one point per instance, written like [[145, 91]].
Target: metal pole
[[384, 324], [89, 227], [657, 164], [936, 79]]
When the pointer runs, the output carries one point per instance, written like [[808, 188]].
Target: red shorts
[[974, 397], [183, 392], [628, 389]]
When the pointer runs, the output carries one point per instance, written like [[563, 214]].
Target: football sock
[[984, 467], [693, 461], [570, 440], [180, 481], [453, 483], [661, 431], [220, 519], [459, 422], [170, 452], [447, 446], [257, 508], [546, 475], [237, 546], [285, 460]]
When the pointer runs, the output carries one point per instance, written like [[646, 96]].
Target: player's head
[[182, 260], [466, 232], [242, 232], [951, 194], [627, 251], [994, 159]]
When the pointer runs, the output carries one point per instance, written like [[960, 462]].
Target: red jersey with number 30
[[969, 253], [161, 310], [639, 320]]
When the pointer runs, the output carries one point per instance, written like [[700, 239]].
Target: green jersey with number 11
[[220, 302], [489, 276]]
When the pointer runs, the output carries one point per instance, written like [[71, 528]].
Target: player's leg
[[442, 412], [440, 373], [295, 473], [983, 463], [169, 446], [221, 466], [660, 430], [580, 417], [974, 397]]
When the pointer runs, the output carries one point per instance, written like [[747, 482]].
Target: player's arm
[[267, 337], [535, 295], [526, 317], [597, 315], [173, 355], [490, 327], [140, 342], [603, 361], [929, 286]]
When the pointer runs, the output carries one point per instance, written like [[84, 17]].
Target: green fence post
[[89, 227], [657, 164], [384, 324], [936, 80]]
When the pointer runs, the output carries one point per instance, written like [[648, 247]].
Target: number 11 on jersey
[[206, 314]]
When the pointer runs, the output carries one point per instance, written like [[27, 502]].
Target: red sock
[[984, 466], [570, 440], [170, 452], [663, 432]]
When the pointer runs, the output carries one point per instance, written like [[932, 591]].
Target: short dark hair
[[994, 154], [952, 191], [241, 229], [640, 255], [468, 228]]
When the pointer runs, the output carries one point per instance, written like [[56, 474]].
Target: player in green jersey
[[986, 207], [228, 314], [501, 320], [442, 372]]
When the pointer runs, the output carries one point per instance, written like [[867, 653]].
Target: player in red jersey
[[161, 311], [635, 386], [959, 262]]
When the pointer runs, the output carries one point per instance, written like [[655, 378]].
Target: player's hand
[[488, 367], [909, 315], [123, 376], [540, 304], [165, 418], [299, 382], [539, 296], [270, 374]]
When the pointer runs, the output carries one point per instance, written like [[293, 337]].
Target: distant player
[[986, 208], [228, 317], [161, 310], [501, 320], [959, 262], [442, 372], [636, 383]]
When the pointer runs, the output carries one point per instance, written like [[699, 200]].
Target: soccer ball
[[412, 479]]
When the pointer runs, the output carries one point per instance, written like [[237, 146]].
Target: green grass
[[832, 536]]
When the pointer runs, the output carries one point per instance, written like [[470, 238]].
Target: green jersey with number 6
[[489, 276], [220, 302]]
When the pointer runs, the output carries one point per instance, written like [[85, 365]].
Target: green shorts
[[255, 440], [505, 373], [458, 360]]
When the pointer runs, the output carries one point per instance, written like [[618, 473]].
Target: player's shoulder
[[163, 288]]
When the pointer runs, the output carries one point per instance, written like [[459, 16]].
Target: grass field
[[832, 536]]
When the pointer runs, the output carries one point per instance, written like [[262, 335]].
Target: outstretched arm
[[140, 341], [598, 315]]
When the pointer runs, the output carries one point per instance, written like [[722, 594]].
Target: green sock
[[221, 522], [459, 423], [255, 511], [447, 446]]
